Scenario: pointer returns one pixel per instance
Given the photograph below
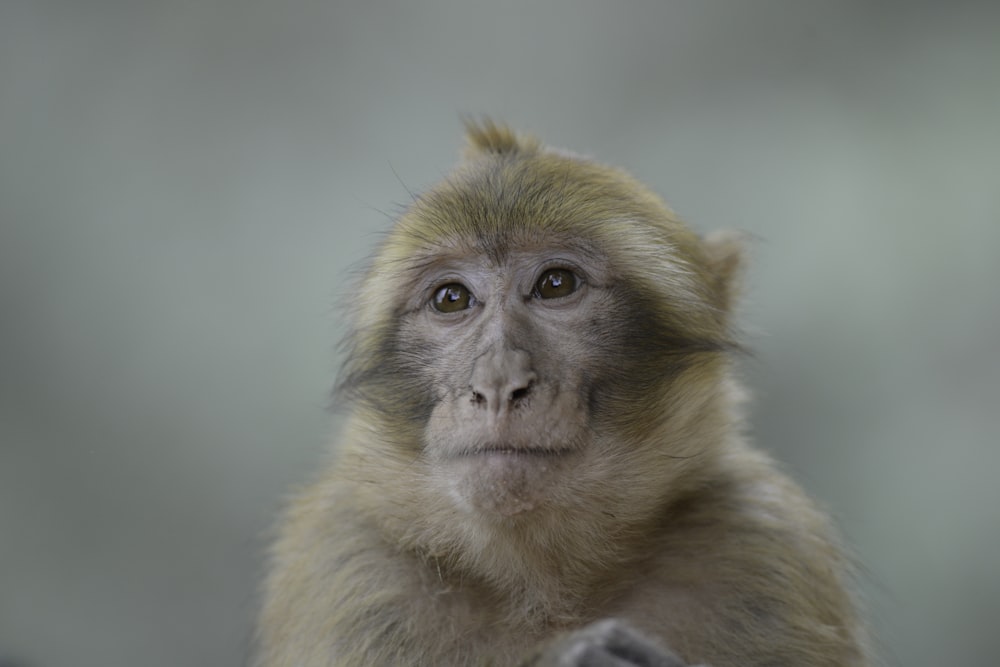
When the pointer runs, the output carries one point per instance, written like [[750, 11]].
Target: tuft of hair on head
[[486, 137]]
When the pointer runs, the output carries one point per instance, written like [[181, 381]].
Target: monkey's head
[[534, 325]]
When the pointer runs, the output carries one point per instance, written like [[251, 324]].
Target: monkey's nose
[[501, 379]]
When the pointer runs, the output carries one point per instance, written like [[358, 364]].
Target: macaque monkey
[[543, 462]]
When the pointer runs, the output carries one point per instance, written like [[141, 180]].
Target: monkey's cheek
[[503, 485]]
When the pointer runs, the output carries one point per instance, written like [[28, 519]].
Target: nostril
[[478, 398], [520, 393]]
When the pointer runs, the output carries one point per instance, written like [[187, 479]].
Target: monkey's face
[[514, 348]]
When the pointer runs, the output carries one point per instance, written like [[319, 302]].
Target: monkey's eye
[[452, 298], [556, 283]]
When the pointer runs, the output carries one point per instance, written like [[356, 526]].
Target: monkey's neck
[[545, 571], [543, 568]]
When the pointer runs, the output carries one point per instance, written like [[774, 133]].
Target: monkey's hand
[[607, 643]]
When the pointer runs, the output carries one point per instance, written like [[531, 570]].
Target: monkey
[[544, 459]]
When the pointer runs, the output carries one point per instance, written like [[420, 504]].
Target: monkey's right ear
[[725, 252], [486, 137]]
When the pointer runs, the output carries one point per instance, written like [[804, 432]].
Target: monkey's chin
[[506, 482]]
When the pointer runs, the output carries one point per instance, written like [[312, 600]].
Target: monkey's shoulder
[[753, 554]]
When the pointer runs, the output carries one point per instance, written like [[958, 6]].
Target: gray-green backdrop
[[185, 186]]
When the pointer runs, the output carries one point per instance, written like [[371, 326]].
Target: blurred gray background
[[185, 186]]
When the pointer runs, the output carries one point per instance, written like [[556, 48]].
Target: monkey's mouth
[[527, 452]]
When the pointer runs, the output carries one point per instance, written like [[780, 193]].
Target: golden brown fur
[[606, 476]]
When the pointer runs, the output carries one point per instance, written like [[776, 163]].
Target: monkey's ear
[[726, 261], [486, 137]]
